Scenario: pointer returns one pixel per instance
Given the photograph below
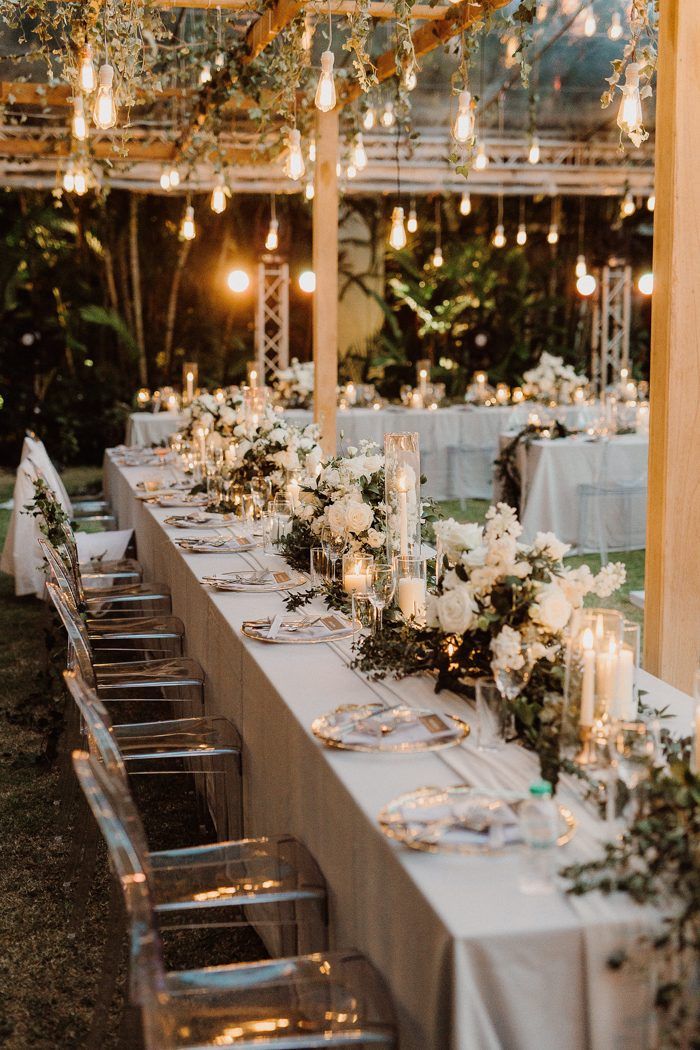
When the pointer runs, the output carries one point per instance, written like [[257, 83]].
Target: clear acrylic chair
[[152, 635], [299, 1003], [611, 512], [173, 680], [470, 470], [95, 572]]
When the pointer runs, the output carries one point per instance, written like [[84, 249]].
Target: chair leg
[[85, 865], [111, 959]]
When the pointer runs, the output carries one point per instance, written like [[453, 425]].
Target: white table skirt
[[552, 473], [473, 964], [151, 428]]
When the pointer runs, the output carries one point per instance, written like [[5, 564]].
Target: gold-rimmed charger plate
[[281, 581], [252, 629], [407, 819], [343, 734]]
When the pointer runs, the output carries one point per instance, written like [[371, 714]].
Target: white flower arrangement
[[218, 416], [520, 598], [552, 380], [273, 447], [348, 498], [294, 386]]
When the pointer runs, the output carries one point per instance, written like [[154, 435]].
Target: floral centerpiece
[[294, 386], [552, 380], [347, 498], [274, 448], [219, 416]]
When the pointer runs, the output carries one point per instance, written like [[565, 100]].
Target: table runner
[[471, 961]]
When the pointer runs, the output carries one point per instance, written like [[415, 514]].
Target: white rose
[[507, 650], [206, 419], [277, 435], [456, 610], [549, 544], [227, 415], [336, 517], [551, 610], [375, 539], [358, 516]]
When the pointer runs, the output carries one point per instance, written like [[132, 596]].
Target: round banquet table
[[152, 428], [471, 961]]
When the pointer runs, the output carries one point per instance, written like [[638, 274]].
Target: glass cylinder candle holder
[[592, 681], [356, 572], [190, 380], [402, 495], [254, 404], [411, 587]]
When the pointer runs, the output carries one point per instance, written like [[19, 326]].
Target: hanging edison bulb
[[629, 117], [174, 178], [410, 80], [165, 179], [465, 204], [309, 190], [586, 285], [590, 25], [351, 171], [369, 119], [205, 73], [80, 182], [104, 112], [79, 122], [325, 92], [615, 28], [553, 234], [69, 178], [481, 160], [219, 60], [397, 235], [359, 153], [412, 224], [437, 258], [188, 230], [521, 236], [628, 207], [388, 116], [218, 198], [272, 240], [651, 203], [534, 153], [499, 237], [581, 268], [86, 71], [463, 127], [294, 167]]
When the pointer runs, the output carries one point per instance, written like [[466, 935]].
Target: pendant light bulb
[[218, 198], [534, 154], [481, 160], [188, 231], [174, 177], [581, 268], [521, 237], [629, 117], [205, 73], [651, 203], [628, 207], [219, 60], [86, 73], [369, 119], [79, 124], [463, 127], [104, 112], [312, 149], [615, 27], [294, 167], [325, 92], [165, 179], [309, 190], [499, 237], [412, 224], [586, 285], [359, 153], [397, 236], [410, 80], [272, 240], [388, 116], [553, 234], [437, 258], [69, 179], [590, 25], [80, 182], [465, 204], [351, 171]]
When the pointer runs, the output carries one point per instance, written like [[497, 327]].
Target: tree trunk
[[136, 286], [182, 254]]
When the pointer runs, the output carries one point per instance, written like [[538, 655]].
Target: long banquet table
[[473, 963]]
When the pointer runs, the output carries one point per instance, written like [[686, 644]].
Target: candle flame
[[587, 639], [599, 627], [401, 482]]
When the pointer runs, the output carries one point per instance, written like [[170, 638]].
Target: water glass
[[493, 715], [382, 585], [318, 566], [411, 587], [335, 545], [361, 615]]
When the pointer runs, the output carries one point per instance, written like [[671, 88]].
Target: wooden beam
[[377, 8], [35, 93], [325, 262], [271, 22], [672, 601], [426, 39]]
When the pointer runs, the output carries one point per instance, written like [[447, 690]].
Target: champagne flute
[[381, 581]]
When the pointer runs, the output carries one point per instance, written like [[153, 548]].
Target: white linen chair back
[[21, 556]]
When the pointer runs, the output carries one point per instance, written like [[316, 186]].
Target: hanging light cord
[[273, 214], [500, 208], [398, 160], [330, 25]]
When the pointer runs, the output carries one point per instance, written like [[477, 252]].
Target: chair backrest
[[98, 728], [77, 634], [36, 452], [60, 570], [109, 799], [73, 562]]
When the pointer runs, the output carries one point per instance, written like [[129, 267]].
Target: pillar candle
[[411, 596], [624, 707], [588, 681], [190, 386], [403, 517], [355, 581]]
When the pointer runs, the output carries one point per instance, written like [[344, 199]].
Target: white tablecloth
[[552, 473], [473, 964], [151, 428]]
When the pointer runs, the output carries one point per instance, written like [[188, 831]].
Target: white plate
[[399, 729], [317, 633], [236, 545], [276, 580]]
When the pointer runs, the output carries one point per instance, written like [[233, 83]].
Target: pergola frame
[[673, 569]]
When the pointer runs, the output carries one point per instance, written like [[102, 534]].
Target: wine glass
[[260, 491], [335, 545], [381, 585], [633, 749]]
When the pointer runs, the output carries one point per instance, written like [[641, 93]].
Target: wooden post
[[672, 599], [325, 259]]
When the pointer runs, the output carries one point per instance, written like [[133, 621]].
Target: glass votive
[[356, 569], [411, 587], [624, 702], [493, 715], [362, 615], [318, 566]]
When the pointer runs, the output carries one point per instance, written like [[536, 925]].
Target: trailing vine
[[641, 48], [358, 43], [506, 464]]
